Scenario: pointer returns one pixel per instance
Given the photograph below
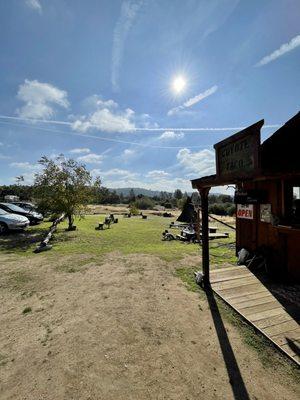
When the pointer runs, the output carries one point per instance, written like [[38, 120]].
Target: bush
[[217, 208], [231, 210], [144, 203], [134, 210], [222, 209]]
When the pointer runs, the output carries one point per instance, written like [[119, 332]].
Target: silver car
[[10, 221]]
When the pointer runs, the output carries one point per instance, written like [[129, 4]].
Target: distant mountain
[[137, 191]]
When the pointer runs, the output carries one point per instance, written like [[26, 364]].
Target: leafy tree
[[114, 198], [131, 196], [178, 194], [121, 198], [181, 203], [23, 191], [225, 198], [64, 186]]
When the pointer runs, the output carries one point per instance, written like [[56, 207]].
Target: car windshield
[[25, 206], [2, 212], [14, 207]]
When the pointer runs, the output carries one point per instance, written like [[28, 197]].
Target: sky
[[140, 90]]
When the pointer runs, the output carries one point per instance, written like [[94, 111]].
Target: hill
[[137, 191]]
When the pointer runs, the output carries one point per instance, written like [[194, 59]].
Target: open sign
[[245, 211]]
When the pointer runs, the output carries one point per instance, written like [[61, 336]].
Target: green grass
[[186, 274], [130, 235]]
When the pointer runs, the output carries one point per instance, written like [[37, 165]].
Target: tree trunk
[[71, 220]]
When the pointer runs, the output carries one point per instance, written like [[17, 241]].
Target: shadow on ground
[[235, 378], [21, 241]]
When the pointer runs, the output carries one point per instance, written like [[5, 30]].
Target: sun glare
[[178, 84]]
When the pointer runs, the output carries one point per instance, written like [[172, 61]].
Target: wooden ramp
[[240, 288]]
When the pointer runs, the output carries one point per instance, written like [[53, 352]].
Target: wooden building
[[267, 179]]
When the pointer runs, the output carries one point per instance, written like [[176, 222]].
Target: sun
[[178, 84]]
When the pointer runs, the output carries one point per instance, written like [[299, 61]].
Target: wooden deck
[[243, 291]]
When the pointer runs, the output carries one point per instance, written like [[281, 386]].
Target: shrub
[[144, 203], [134, 210]]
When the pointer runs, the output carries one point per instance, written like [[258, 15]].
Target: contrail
[[103, 138], [134, 130]]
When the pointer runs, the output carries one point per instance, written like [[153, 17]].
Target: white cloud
[[95, 101], [25, 166], [199, 163], [128, 152], [1, 144], [127, 155], [283, 49], [116, 172], [157, 174], [105, 116], [164, 184], [107, 121], [40, 99], [28, 178], [114, 175], [129, 10], [194, 100], [34, 5], [171, 135], [91, 158], [80, 150], [108, 116]]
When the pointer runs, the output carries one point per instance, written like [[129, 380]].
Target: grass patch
[[188, 277], [27, 310], [222, 252], [129, 235]]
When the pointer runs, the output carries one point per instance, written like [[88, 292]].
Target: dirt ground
[[122, 328]]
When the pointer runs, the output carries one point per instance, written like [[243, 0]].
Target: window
[[292, 202], [296, 202]]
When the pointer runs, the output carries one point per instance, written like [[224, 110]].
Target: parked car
[[12, 222], [34, 217], [25, 204]]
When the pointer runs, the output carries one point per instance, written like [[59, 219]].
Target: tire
[[3, 228]]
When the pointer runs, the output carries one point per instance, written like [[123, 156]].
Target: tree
[[63, 186], [178, 194], [20, 181], [131, 196]]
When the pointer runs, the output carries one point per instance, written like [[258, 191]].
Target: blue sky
[[94, 80]]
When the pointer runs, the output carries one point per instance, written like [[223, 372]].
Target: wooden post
[[205, 244]]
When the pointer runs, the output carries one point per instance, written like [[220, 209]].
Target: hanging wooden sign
[[238, 155]]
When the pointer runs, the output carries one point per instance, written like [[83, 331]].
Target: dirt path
[[126, 329]]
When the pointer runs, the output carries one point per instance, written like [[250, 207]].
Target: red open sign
[[245, 211]]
